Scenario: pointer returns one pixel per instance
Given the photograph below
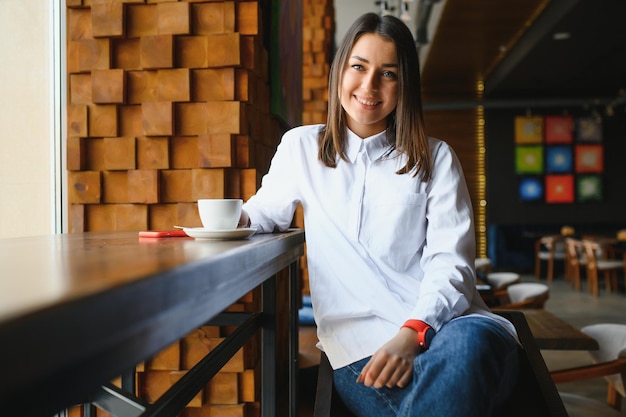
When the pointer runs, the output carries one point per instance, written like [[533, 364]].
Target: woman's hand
[[244, 219], [392, 364]]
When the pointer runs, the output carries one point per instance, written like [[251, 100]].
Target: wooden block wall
[[318, 30], [168, 102]]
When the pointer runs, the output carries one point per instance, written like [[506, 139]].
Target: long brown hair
[[405, 125]]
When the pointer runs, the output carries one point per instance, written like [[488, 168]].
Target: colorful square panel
[[529, 159], [559, 159], [559, 129], [589, 159], [528, 129], [589, 188], [589, 129], [559, 188], [531, 189]]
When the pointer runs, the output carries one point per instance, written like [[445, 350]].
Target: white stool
[[528, 294], [501, 280], [482, 264]]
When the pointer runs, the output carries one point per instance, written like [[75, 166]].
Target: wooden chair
[[549, 249], [609, 363], [534, 395], [598, 262], [575, 259]]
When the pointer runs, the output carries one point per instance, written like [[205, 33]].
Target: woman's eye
[[357, 67], [389, 74]]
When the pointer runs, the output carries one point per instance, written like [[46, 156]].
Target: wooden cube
[[95, 154], [166, 360], [142, 86], [176, 186], [244, 151], [153, 384], [84, 187], [173, 18], [225, 50], [115, 187], [114, 217], [76, 218], [223, 389], [157, 51], [157, 119], [130, 120], [214, 17], [162, 216], [191, 118], [119, 153], [197, 344], [143, 186], [208, 183], [142, 20], [152, 153], [77, 120], [94, 54], [76, 153], [213, 84], [192, 51], [79, 24], [80, 89], [216, 150], [248, 18], [224, 117], [126, 54], [173, 85], [188, 214], [103, 120], [107, 18], [108, 86], [184, 152], [249, 183]]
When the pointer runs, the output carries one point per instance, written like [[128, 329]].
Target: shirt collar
[[374, 146]]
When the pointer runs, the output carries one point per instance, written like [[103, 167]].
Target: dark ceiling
[[510, 45]]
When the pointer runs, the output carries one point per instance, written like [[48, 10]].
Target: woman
[[390, 241]]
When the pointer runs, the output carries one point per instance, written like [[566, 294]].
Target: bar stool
[[482, 265], [527, 295], [501, 280]]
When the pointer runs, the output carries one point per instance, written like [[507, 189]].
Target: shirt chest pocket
[[394, 227]]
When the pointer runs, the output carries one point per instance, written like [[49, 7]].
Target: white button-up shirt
[[382, 248]]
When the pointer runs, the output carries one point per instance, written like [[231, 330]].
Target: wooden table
[[550, 332], [77, 310]]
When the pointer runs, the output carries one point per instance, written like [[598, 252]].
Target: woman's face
[[369, 85]]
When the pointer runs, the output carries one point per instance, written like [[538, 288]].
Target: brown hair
[[405, 125]]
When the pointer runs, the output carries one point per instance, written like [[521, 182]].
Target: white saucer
[[202, 233]]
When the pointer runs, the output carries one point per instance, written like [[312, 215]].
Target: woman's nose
[[370, 82]]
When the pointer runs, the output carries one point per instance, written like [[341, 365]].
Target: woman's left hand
[[392, 364]]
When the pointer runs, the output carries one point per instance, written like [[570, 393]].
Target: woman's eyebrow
[[359, 58]]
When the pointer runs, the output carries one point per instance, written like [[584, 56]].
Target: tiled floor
[[579, 308]]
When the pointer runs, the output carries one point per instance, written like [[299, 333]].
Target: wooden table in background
[[77, 310], [553, 333]]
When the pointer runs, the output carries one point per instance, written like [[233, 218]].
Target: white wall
[[26, 190]]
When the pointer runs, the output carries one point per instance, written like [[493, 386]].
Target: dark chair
[[535, 394]]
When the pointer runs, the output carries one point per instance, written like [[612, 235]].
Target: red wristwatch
[[425, 333]]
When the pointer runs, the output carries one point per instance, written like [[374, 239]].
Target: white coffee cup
[[219, 214]]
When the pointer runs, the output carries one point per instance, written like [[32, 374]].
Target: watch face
[[429, 333]]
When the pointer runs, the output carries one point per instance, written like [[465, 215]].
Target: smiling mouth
[[366, 102]]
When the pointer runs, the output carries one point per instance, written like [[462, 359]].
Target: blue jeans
[[469, 370]]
